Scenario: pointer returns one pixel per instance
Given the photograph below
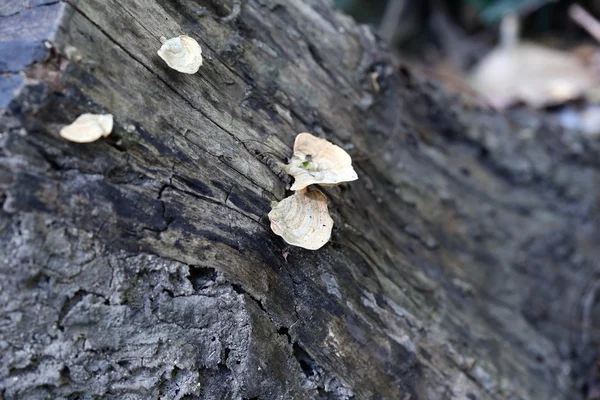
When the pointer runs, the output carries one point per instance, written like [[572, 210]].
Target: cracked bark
[[463, 263]]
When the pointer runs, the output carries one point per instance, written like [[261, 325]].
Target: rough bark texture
[[463, 262]]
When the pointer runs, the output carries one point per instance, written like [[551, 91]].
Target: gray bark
[[463, 262]]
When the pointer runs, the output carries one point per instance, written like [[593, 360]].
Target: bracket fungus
[[181, 53], [88, 128], [318, 161], [302, 219]]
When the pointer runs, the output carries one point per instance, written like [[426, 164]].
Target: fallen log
[[463, 262]]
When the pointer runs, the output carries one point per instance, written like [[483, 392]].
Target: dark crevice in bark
[[240, 290], [201, 277]]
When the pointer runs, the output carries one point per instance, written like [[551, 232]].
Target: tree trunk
[[463, 262]]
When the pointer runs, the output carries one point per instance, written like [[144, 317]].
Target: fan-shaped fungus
[[181, 53], [302, 219], [318, 161]]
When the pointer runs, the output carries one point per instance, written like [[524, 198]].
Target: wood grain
[[143, 265]]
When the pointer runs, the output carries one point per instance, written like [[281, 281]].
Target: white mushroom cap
[[181, 53], [302, 219], [88, 128], [318, 161], [534, 74]]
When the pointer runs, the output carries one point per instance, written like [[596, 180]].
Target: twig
[[456, 44], [391, 18], [509, 30], [585, 20]]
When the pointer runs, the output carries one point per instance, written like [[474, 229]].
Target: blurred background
[[540, 54]]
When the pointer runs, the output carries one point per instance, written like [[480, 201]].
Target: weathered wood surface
[[463, 263]]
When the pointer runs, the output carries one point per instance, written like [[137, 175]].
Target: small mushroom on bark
[[318, 161], [181, 53], [88, 128], [302, 219]]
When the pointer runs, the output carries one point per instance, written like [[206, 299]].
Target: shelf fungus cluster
[[88, 128], [303, 219], [182, 53]]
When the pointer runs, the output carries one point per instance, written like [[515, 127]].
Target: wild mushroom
[[181, 53], [302, 219], [536, 75], [88, 128], [318, 161]]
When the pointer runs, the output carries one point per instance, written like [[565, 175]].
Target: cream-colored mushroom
[[318, 161], [302, 219], [181, 53], [88, 128], [531, 73]]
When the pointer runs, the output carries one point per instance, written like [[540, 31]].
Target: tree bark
[[463, 262]]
